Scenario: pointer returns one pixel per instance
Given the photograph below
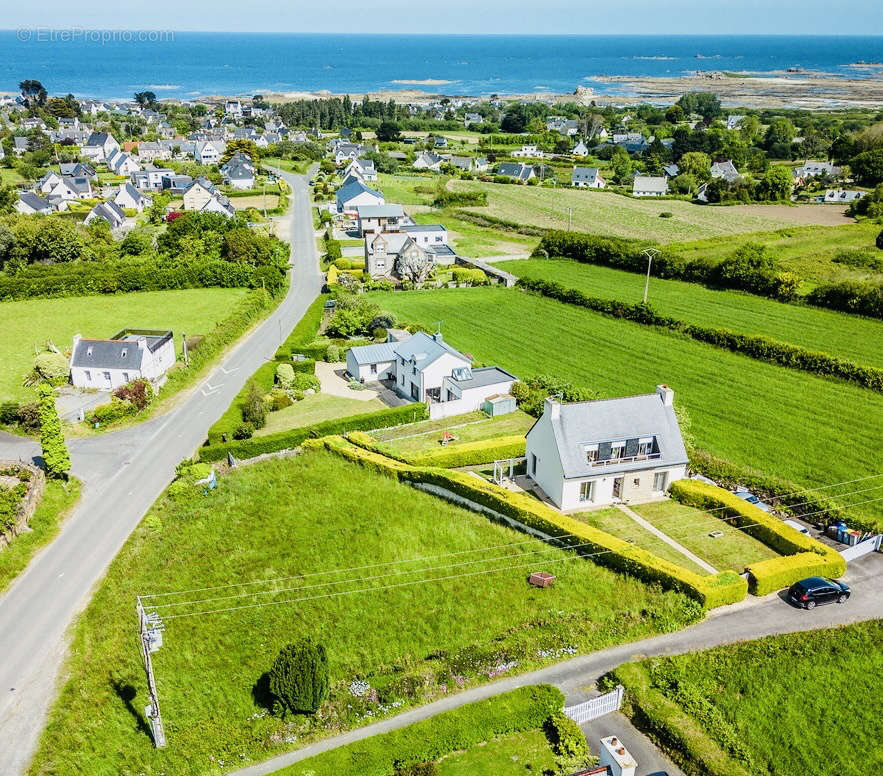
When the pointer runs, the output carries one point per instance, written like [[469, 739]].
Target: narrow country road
[[122, 473], [750, 619]]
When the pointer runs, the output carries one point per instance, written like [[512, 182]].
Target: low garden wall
[[18, 502]]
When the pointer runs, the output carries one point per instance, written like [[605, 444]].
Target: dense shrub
[[569, 743], [526, 708], [306, 329], [139, 393], [299, 676], [452, 457], [531, 393], [285, 375], [850, 296], [50, 367], [56, 459], [243, 431], [115, 410], [254, 411], [447, 198]]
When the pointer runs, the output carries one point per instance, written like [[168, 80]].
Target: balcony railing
[[629, 459]]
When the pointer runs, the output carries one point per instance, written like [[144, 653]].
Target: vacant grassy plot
[[286, 164], [693, 528], [513, 755], [752, 413], [315, 409], [806, 250], [408, 189], [847, 336], [602, 212], [619, 524], [58, 499], [309, 515], [759, 699], [10, 177], [29, 324], [424, 437], [259, 201]]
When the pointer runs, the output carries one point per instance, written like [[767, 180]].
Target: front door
[[617, 487]]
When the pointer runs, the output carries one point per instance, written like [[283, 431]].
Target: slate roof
[[423, 349], [488, 375], [588, 174], [352, 189], [374, 354], [424, 228], [631, 417], [650, 183], [726, 170], [109, 353], [380, 211], [514, 170], [33, 201]]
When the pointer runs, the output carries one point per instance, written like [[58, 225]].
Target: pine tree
[[55, 455], [299, 676]]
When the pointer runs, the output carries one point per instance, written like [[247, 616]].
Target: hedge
[[803, 555], [284, 440], [306, 329], [711, 591], [88, 278], [526, 708], [628, 255], [850, 296], [467, 454], [761, 348], [483, 219], [678, 733]]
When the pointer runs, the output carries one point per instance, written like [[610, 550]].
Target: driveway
[[123, 474], [334, 383], [649, 759]]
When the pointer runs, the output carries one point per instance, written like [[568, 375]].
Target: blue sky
[[788, 17]]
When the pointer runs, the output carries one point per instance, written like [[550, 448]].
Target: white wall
[[603, 493], [548, 474]]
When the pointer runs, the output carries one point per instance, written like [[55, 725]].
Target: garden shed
[[499, 404]]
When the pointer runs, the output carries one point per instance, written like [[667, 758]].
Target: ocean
[[188, 65]]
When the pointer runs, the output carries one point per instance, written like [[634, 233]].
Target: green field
[[10, 177], [755, 414], [315, 409], [600, 212], [806, 250], [846, 336], [693, 528], [424, 437], [513, 755], [310, 515], [29, 324], [801, 703], [286, 164]]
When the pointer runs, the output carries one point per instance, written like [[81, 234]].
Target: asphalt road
[[750, 619], [123, 473]]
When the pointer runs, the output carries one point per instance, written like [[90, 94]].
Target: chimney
[[553, 407], [437, 336], [666, 394]]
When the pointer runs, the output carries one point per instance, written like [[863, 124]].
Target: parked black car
[[815, 591]]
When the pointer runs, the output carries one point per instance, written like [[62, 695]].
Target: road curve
[[123, 473]]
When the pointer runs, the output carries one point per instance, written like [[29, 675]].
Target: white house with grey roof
[[354, 193], [108, 211], [99, 147], [650, 186], [128, 197], [587, 178], [106, 364], [590, 453], [30, 204], [425, 368]]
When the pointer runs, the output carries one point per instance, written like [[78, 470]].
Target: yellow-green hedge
[[802, 556], [711, 591], [465, 454]]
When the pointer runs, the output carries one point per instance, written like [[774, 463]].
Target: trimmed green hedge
[[761, 348], [526, 708], [667, 724], [467, 454], [803, 555], [711, 591], [306, 329], [284, 440]]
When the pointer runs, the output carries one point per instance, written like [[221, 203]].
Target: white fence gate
[[596, 707], [862, 548]]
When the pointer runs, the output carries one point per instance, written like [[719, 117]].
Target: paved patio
[[334, 383]]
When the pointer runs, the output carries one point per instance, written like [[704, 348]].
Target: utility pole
[[150, 630], [570, 219], [650, 253], [184, 346]]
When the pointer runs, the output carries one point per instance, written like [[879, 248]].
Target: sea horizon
[[192, 64]]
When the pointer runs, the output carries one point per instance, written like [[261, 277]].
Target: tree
[[706, 104], [415, 266], [299, 676], [775, 184], [515, 118], [867, 167], [388, 132], [879, 242], [621, 164], [8, 198], [780, 132], [697, 164], [675, 114], [33, 91], [56, 459], [684, 184], [254, 411], [145, 99]]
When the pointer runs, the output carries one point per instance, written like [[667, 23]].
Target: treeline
[[749, 268]]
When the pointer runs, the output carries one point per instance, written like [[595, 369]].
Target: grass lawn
[[10, 177], [602, 212], [259, 201], [58, 499], [806, 250], [308, 515], [692, 528], [512, 755], [286, 164], [615, 522], [754, 414], [846, 336], [424, 437], [314, 409], [409, 189], [763, 697], [28, 324]]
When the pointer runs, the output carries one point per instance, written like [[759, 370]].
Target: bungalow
[[842, 196], [428, 161], [671, 170], [344, 153], [108, 211], [152, 151], [815, 169], [516, 170], [354, 193], [128, 197], [650, 186], [48, 182], [580, 149], [726, 170], [99, 147], [203, 196], [239, 171], [131, 354], [563, 126], [473, 118], [602, 452], [69, 188], [734, 121], [379, 218], [440, 141], [30, 204], [587, 178]]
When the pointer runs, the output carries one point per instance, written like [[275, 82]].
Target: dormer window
[[89, 351], [591, 453], [617, 450], [645, 446], [124, 353]]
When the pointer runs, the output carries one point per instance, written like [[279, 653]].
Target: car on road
[[747, 495], [816, 591]]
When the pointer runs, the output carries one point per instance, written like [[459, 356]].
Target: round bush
[[52, 367], [299, 676], [243, 431], [666, 214]]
